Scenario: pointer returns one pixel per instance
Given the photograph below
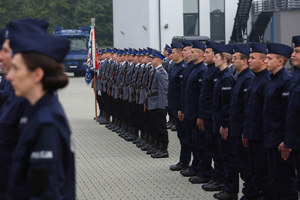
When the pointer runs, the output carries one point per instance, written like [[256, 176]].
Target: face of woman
[[218, 60], [20, 77]]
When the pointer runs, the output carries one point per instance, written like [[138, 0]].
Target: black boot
[[162, 152], [154, 149]]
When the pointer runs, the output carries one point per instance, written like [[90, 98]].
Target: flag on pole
[[92, 63]]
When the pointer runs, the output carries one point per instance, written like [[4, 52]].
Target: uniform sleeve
[[227, 87], [162, 79], [44, 173], [245, 93], [182, 87]]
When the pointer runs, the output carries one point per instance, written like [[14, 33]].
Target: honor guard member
[[43, 160], [253, 125], [134, 133], [281, 172], [237, 116], [185, 139], [115, 92], [13, 107], [106, 64], [166, 66], [129, 73], [120, 85], [156, 105], [174, 95], [140, 98], [292, 139], [204, 120], [145, 135], [221, 104], [110, 91], [99, 59], [201, 162], [100, 85]]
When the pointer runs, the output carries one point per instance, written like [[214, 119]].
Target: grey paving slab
[[108, 167]]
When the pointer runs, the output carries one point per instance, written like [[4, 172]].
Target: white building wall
[[171, 15], [131, 23], [230, 12]]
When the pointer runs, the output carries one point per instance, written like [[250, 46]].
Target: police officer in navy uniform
[[292, 139], [185, 139], [156, 105], [281, 172], [253, 125], [237, 115], [201, 163], [13, 107], [174, 95], [221, 106], [204, 120], [43, 160]]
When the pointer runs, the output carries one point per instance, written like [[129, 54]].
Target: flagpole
[[94, 64]]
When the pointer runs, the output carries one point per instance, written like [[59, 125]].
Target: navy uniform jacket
[[239, 102], [292, 139], [275, 107], [192, 91], [186, 75], [43, 161], [10, 113], [221, 99], [175, 80], [159, 86], [206, 94], [253, 129], [5, 90]]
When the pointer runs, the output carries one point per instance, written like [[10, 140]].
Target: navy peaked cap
[[187, 43], [296, 41], [51, 46], [280, 49], [198, 45], [156, 53], [258, 48], [222, 48], [211, 44], [30, 26], [242, 48], [176, 45], [170, 51]]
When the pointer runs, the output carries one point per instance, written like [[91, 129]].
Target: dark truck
[[76, 60]]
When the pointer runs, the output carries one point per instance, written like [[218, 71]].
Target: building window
[[217, 20], [191, 17]]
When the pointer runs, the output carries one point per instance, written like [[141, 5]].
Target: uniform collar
[[160, 66], [246, 70], [278, 74]]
